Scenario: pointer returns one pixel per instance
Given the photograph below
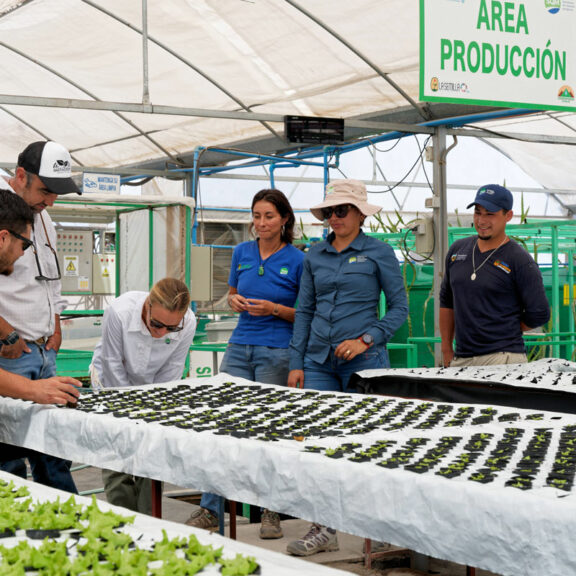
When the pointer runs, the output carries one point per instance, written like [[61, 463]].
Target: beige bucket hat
[[346, 192]]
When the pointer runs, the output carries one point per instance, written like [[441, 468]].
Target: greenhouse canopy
[[139, 86]]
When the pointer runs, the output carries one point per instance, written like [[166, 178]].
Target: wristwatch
[[11, 339], [367, 340]]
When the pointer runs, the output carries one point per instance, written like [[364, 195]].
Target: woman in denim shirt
[[337, 330]]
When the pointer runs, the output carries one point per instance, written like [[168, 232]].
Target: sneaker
[[270, 528], [318, 539], [203, 519]]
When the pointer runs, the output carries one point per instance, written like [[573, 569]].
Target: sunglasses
[[159, 325], [340, 211], [41, 275], [26, 242]]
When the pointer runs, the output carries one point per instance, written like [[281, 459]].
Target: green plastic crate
[[74, 363]]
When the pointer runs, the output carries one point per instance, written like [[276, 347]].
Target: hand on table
[[56, 390]]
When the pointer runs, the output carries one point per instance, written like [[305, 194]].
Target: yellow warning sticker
[[71, 265]]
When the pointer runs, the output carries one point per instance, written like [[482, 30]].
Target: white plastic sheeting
[[490, 526], [156, 239], [147, 530], [209, 61], [229, 55]]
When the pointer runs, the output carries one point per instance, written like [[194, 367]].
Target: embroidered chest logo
[[502, 265], [458, 257]]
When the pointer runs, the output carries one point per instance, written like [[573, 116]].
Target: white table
[[146, 530], [489, 526]]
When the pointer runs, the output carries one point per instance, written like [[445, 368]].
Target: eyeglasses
[[41, 275], [159, 325], [340, 211], [26, 242]]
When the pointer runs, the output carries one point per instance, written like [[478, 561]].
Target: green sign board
[[516, 54]]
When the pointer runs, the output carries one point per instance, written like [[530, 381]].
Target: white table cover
[[490, 526], [145, 530]]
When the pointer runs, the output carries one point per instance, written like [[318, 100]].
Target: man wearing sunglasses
[[146, 338], [30, 297], [16, 221]]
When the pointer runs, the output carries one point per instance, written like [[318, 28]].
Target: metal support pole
[[150, 247], [117, 264], [191, 190], [232, 509], [326, 159], [145, 85], [188, 247], [156, 498], [440, 215], [570, 266], [555, 291]]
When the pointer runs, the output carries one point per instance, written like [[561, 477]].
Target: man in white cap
[[492, 289], [30, 297]]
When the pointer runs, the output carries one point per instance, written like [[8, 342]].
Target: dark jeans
[[258, 364], [11, 461], [334, 374], [47, 470]]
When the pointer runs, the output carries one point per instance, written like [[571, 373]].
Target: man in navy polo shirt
[[492, 291]]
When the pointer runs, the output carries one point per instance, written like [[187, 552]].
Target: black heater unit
[[312, 130]]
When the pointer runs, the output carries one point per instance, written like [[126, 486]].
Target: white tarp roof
[[224, 73]]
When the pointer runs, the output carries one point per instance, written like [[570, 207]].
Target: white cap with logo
[[52, 163]]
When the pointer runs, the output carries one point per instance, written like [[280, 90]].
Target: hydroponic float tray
[[46, 531], [481, 485], [548, 384]]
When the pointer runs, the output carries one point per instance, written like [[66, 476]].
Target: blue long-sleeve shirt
[[339, 296]]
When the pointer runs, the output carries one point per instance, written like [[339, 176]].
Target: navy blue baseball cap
[[494, 198]]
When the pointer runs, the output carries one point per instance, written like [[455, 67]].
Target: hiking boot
[[203, 519], [318, 539], [270, 528]]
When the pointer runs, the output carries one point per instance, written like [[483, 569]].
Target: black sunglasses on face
[[340, 211], [159, 325], [26, 242]]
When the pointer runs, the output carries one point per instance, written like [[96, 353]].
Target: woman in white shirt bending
[[145, 340]]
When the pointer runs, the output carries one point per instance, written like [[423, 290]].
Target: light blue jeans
[[258, 364], [334, 374], [47, 470]]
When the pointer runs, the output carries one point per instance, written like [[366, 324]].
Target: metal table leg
[[157, 498]]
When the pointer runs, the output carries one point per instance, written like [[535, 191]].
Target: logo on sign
[[566, 93], [553, 6]]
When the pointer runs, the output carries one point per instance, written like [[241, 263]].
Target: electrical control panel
[[74, 249], [104, 273]]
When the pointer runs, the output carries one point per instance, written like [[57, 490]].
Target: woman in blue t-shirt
[[264, 281]]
